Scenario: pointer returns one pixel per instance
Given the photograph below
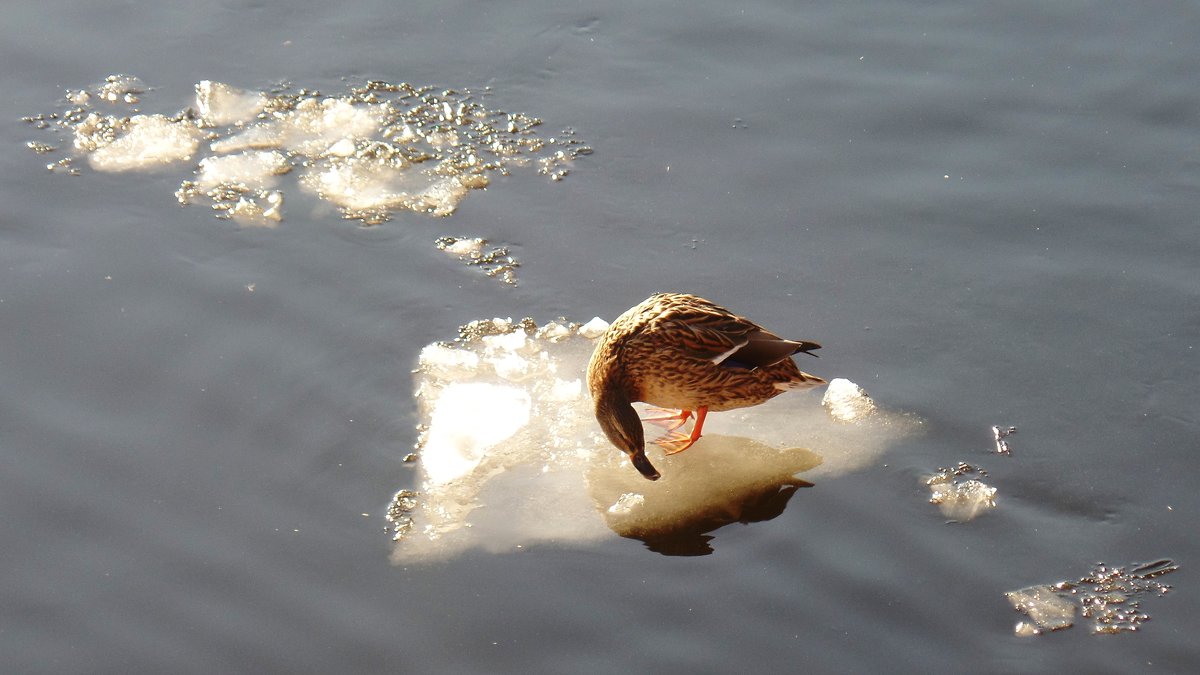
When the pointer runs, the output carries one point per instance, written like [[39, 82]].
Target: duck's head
[[623, 428]]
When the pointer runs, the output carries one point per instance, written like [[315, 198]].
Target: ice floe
[[510, 454]]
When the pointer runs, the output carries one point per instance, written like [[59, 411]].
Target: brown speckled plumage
[[679, 351]]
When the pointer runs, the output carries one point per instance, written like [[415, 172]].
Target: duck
[[680, 352]]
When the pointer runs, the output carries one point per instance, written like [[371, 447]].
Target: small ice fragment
[[121, 89], [594, 328], [253, 170], [150, 140], [248, 212], [220, 104], [626, 503], [554, 332], [846, 401], [342, 148], [998, 435], [962, 501], [404, 135], [1025, 629], [274, 210], [510, 342], [441, 198], [466, 248], [1048, 608], [444, 362], [440, 139], [511, 366]]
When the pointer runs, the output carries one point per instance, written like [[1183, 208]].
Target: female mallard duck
[[679, 351]]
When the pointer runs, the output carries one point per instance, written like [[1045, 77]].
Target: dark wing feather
[[713, 333], [706, 342]]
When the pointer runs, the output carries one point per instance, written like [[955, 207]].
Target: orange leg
[[675, 441], [678, 418]]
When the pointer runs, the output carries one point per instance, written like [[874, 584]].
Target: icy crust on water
[[510, 453], [371, 151], [1110, 598]]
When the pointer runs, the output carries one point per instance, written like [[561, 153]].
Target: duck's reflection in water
[[694, 540], [718, 482]]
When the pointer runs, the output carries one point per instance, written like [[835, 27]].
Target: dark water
[[986, 213]]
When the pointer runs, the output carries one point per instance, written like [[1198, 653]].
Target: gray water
[[985, 212]]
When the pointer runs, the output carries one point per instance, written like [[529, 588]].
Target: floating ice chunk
[[594, 328], [364, 183], [467, 421], [254, 170], [554, 332], [220, 104], [96, 130], [250, 213], [962, 501], [121, 89], [466, 248], [512, 367], [1049, 609], [515, 341], [316, 125], [79, 97], [847, 401], [441, 198], [342, 148], [441, 139], [151, 140], [626, 503]]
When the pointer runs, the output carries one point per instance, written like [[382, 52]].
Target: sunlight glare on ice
[[468, 419]]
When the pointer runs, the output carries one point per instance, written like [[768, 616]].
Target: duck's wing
[[764, 348], [710, 332], [737, 343], [702, 334]]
